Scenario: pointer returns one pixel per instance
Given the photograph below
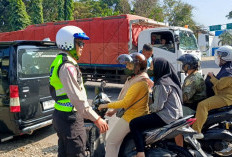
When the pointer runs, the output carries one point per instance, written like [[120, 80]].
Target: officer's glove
[[101, 124]]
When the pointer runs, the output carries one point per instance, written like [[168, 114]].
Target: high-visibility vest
[[62, 102]]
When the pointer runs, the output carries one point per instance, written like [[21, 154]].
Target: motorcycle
[[217, 132], [95, 141], [159, 142]]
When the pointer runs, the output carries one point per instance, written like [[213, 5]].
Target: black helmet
[[138, 59], [190, 60]]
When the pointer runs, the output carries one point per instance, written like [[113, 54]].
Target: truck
[[115, 35]]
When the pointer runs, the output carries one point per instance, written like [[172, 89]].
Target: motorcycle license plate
[[48, 104]]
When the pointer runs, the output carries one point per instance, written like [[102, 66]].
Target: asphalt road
[[45, 139]]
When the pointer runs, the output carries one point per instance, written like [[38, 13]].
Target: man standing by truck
[[67, 89]]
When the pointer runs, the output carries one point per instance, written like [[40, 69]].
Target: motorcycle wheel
[[96, 147], [226, 152], [128, 149]]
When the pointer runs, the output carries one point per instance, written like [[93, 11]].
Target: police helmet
[[225, 53]]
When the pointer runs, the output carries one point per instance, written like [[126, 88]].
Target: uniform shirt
[[134, 93], [72, 83], [223, 88], [194, 89], [167, 104]]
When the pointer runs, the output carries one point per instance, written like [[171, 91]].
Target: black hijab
[[165, 74]]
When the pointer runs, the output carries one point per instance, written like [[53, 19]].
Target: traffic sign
[[215, 27], [229, 26]]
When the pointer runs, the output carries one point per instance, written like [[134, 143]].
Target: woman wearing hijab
[[166, 107]]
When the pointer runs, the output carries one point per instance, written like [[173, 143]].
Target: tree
[[225, 38], [68, 9], [144, 7], [50, 10], [4, 20], [60, 6], [91, 8], [123, 7], [18, 17], [178, 13], [229, 16], [36, 12]]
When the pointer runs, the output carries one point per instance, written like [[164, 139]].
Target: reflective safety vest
[[62, 102]]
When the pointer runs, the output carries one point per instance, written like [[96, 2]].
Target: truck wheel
[[96, 147]]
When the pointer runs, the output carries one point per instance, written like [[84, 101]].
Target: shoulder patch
[[72, 69], [188, 82]]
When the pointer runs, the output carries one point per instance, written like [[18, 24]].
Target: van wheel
[[96, 146]]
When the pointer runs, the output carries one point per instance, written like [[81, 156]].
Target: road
[[43, 142]]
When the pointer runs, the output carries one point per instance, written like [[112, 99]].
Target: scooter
[[217, 132], [159, 142], [95, 145]]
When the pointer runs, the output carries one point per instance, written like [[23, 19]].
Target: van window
[[35, 62], [163, 40], [4, 71]]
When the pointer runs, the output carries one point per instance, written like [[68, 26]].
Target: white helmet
[[66, 35], [225, 53]]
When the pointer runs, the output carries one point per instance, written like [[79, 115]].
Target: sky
[[211, 12]]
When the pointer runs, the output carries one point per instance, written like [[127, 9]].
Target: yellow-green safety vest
[[62, 102]]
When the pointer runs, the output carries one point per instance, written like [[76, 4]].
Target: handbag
[[121, 111]]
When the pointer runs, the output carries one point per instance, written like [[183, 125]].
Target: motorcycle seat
[[223, 109]]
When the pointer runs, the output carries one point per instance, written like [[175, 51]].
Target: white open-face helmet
[[224, 52], [66, 35]]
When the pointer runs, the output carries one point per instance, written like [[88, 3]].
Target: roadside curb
[[207, 58]]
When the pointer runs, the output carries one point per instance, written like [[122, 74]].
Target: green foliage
[[60, 6], [178, 13], [18, 17], [123, 7], [36, 12], [4, 20], [229, 16], [145, 7], [68, 9], [225, 38], [50, 10], [92, 8]]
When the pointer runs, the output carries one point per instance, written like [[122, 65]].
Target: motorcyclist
[[193, 89], [222, 87], [167, 106], [67, 89], [133, 98]]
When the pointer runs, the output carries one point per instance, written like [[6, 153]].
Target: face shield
[[127, 60]]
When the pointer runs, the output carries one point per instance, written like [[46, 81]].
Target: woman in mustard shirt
[[133, 98]]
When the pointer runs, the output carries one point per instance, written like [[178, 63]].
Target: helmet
[[66, 35], [190, 60], [225, 53], [138, 59]]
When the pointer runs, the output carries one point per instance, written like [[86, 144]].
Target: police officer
[[66, 86], [193, 89], [222, 87]]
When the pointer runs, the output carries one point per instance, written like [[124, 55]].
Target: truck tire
[[96, 147]]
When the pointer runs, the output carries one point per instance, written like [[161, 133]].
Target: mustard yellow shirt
[[134, 93], [223, 88]]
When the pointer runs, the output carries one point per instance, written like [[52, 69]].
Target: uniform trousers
[[204, 107], [71, 134]]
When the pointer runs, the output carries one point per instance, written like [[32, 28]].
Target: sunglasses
[[80, 43]]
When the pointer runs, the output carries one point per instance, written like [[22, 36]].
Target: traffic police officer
[[66, 86], [193, 89]]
